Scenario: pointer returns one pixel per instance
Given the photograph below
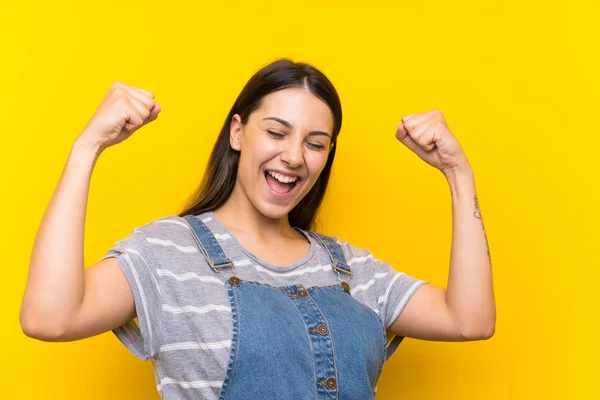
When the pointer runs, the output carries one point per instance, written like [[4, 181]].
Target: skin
[[64, 301], [98, 299], [257, 218], [466, 309], [462, 312]]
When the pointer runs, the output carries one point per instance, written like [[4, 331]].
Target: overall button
[[234, 280], [331, 383], [302, 293], [345, 286], [322, 329]]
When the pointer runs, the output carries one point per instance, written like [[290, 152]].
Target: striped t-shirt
[[184, 322]]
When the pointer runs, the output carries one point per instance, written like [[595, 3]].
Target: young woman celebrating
[[237, 297]]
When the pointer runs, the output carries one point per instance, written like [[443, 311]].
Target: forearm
[[470, 294], [55, 283]]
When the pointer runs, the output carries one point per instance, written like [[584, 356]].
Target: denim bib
[[295, 342]]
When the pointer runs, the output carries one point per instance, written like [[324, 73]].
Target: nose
[[292, 153]]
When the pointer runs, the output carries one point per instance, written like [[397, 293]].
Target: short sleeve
[[142, 335], [393, 290]]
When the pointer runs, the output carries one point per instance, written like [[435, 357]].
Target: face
[[283, 148]]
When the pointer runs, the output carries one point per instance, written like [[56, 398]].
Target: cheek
[[315, 164], [256, 152], [261, 150]]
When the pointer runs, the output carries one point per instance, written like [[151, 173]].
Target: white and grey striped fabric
[[184, 320]]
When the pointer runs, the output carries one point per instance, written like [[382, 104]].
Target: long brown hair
[[221, 170]]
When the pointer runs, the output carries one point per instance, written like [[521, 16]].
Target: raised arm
[[466, 309], [62, 300]]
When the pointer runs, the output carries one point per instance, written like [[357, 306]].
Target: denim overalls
[[295, 342]]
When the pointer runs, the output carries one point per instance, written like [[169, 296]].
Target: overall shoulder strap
[[392, 345], [334, 251], [207, 244]]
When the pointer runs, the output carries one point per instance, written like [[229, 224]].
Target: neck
[[239, 215]]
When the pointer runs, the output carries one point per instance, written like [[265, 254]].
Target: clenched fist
[[123, 110], [428, 136]]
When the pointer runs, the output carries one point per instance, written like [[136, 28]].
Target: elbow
[[481, 334], [36, 327], [481, 331]]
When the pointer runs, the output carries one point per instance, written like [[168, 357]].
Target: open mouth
[[278, 185]]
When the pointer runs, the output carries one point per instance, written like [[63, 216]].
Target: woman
[[236, 297]]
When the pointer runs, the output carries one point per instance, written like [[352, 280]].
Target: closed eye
[[314, 146], [275, 134]]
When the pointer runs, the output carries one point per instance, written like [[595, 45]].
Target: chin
[[274, 211]]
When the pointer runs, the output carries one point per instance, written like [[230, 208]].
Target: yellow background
[[517, 82]]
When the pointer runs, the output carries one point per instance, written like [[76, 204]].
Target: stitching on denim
[[209, 236], [309, 341], [234, 344], [290, 286], [238, 329], [308, 289], [383, 351], [199, 242], [325, 241], [382, 325], [384, 338], [337, 391], [379, 318]]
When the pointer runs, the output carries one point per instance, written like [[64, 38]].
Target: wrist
[[83, 155], [458, 171], [83, 148], [461, 181]]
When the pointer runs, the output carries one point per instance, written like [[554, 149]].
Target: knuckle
[[122, 102], [150, 104], [148, 93], [119, 92]]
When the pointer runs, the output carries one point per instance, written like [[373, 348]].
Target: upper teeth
[[282, 178]]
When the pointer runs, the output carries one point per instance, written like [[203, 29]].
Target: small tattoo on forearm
[[477, 214]]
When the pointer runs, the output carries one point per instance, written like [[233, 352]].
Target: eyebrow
[[288, 125]]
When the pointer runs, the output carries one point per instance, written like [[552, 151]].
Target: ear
[[235, 130]]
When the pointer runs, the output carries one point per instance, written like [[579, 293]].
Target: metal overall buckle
[[345, 285]]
